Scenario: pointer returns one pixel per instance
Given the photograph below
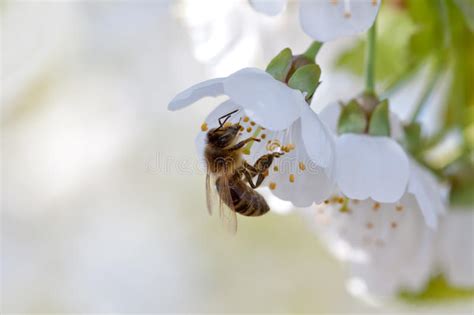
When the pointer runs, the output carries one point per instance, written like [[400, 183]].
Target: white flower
[[455, 248], [383, 220], [378, 168], [325, 20], [284, 122]]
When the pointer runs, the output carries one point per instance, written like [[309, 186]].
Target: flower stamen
[[347, 9]]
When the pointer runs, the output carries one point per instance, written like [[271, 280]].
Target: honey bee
[[232, 176]]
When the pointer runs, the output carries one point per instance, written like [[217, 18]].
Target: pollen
[[249, 129], [275, 168], [340, 200], [399, 208], [228, 124], [393, 225], [376, 206], [326, 201], [369, 225], [374, 2], [290, 147], [246, 119], [333, 2], [292, 178], [347, 14], [302, 166], [252, 123], [263, 136], [204, 127], [272, 185]]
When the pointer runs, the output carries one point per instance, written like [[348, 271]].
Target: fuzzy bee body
[[231, 175]]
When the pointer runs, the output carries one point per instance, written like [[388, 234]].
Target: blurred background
[[103, 202]]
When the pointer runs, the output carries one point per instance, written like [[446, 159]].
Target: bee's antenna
[[226, 117]]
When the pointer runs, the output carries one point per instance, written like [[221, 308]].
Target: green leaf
[[306, 79], [281, 65], [379, 124], [352, 119], [438, 290]]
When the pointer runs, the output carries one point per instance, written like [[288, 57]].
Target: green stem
[[426, 94], [370, 61], [312, 50]]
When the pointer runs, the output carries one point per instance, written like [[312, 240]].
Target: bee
[[232, 176]]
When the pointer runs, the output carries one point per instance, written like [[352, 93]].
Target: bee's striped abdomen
[[247, 201]]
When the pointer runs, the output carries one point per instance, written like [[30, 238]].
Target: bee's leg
[[265, 161], [261, 166], [248, 177], [241, 144], [252, 170]]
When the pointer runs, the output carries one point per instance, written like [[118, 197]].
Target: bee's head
[[223, 136]]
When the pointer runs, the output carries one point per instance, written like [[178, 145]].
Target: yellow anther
[[272, 145], [292, 178], [252, 123], [263, 136], [275, 168], [290, 146], [249, 129], [246, 119], [399, 208], [302, 166], [376, 206], [204, 127], [272, 185], [241, 128]]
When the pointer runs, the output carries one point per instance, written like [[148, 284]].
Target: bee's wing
[[227, 212], [211, 193]]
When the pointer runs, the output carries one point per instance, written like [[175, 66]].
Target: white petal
[[324, 21], [427, 192], [212, 122], [371, 167], [360, 230], [268, 7], [269, 102], [213, 87], [330, 116], [456, 247], [317, 139]]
